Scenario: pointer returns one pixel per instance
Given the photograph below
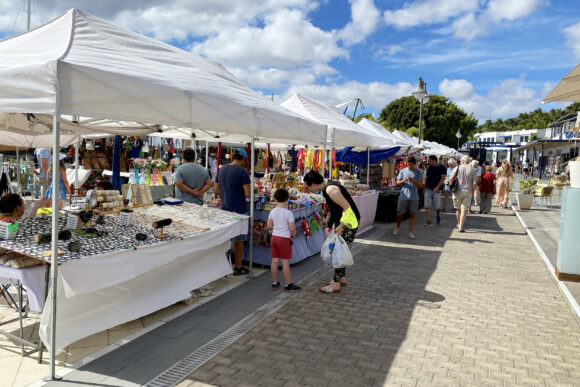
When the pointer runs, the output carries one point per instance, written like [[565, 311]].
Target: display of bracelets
[[176, 228], [193, 215], [115, 237]]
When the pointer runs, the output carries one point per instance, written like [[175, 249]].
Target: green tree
[[441, 118], [368, 116]]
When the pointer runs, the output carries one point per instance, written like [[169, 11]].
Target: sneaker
[[428, 224], [292, 288], [396, 231], [438, 219], [411, 235], [275, 285]]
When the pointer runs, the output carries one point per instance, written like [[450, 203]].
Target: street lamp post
[[458, 135], [421, 94]]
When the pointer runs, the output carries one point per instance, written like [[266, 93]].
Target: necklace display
[[200, 217]]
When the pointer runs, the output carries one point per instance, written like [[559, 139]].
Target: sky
[[493, 58]]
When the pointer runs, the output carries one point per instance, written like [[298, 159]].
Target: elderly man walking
[[466, 179]]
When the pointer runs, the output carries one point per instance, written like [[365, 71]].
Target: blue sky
[[494, 58]]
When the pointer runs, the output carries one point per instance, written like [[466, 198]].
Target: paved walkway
[[445, 309]]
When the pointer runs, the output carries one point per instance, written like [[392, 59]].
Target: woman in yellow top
[[503, 175], [344, 216]]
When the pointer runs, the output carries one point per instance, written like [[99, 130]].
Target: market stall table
[[303, 246], [367, 206], [115, 278], [32, 279]]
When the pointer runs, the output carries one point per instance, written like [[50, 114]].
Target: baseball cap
[[240, 151]]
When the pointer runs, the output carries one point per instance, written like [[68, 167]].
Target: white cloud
[[389, 50], [375, 95], [425, 12], [572, 34], [509, 98], [498, 10], [470, 18], [365, 19]]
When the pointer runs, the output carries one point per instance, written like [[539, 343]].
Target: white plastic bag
[[327, 248], [335, 252], [341, 255]]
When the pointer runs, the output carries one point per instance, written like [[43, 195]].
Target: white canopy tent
[[406, 146], [81, 65], [568, 89]]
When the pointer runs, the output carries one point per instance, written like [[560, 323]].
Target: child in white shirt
[[281, 222]]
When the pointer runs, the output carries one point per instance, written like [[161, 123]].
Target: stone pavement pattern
[[445, 309]]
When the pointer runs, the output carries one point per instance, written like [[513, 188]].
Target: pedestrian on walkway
[[503, 175], [341, 210], [281, 222], [475, 199], [487, 189], [409, 179], [436, 174], [451, 164], [233, 185], [465, 176]]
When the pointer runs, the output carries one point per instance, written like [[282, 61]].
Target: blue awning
[[346, 155]]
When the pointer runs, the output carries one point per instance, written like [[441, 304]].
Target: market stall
[[136, 79]]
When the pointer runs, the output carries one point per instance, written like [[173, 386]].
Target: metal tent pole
[[77, 165], [55, 209], [18, 170], [368, 166], [324, 151], [206, 154], [251, 239]]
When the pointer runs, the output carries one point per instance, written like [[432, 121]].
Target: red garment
[[281, 247], [487, 182]]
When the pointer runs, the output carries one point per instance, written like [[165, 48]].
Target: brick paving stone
[[477, 308]]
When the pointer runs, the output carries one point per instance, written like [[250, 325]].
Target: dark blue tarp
[[346, 155]]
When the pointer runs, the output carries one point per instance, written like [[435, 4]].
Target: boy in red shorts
[[281, 222]]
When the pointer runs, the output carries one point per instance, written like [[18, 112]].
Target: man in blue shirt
[[409, 179], [233, 185], [192, 181]]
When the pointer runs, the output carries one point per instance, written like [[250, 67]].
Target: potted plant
[[526, 196]]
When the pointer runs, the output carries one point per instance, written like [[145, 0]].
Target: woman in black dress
[[339, 203]]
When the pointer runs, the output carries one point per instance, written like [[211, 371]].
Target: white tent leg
[[54, 256], [323, 159], [251, 236], [206, 154], [77, 165], [18, 170], [368, 166]]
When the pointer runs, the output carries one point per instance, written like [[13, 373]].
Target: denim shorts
[[432, 199]]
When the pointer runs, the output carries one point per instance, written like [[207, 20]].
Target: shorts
[[411, 205], [526, 170], [281, 247], [461, 200], [432, 198]]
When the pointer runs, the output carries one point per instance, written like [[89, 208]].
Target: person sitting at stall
[[12, 207], [105, 185], [281, 222], [63, 189], [192, 180]]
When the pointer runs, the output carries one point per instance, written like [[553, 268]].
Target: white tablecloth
[[98, 293], [83, 176], [32, 278], [367, 206]]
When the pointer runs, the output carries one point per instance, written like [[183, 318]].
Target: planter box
[[525, 200]]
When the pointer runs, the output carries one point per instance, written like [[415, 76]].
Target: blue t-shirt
[[43, 153], [408, 189], [194, 176], [231, 179]]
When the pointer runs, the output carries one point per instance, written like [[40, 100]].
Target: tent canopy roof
[[379, 129], [568, 89], [100, 70], [341, 130]]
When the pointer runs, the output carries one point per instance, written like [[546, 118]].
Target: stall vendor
[[192, 181], [12, 207], [233, 184]]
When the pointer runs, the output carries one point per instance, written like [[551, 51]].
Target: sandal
[[342, 283], [241, 271], [329, 289]]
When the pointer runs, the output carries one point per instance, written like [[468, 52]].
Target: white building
[[500, 145]]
